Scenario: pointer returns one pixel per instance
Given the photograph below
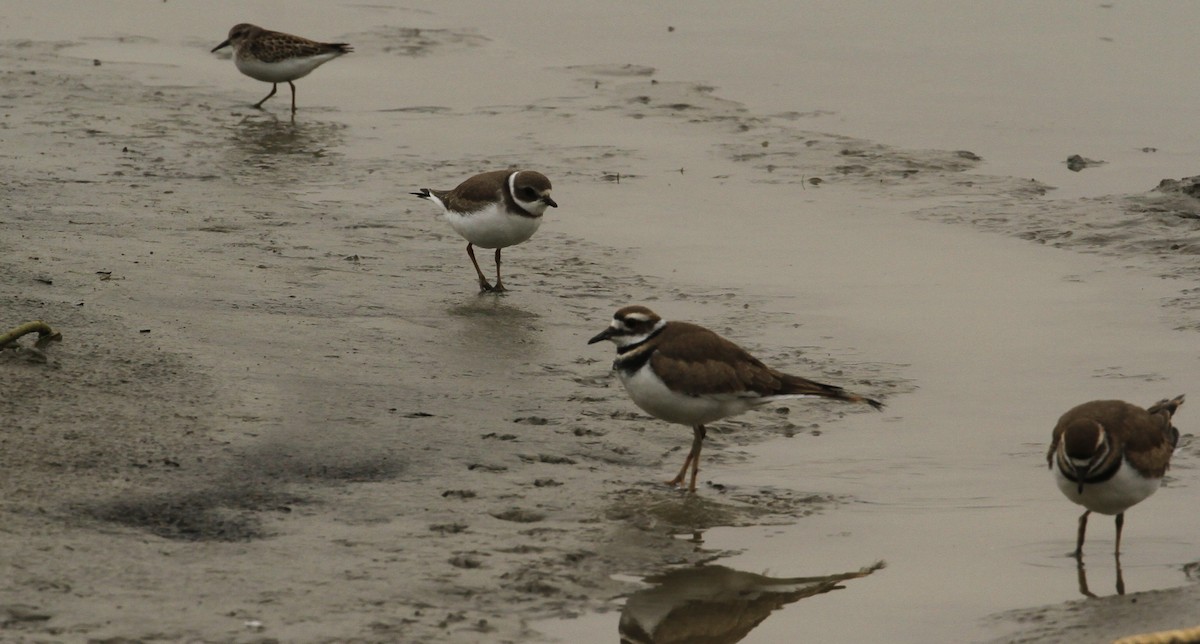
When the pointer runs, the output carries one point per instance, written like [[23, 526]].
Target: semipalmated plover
[[275, 57], [494, 210], [684, 373], [1109, 455]]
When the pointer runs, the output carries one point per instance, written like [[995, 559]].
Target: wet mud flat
[[271, 420], [270, 416]]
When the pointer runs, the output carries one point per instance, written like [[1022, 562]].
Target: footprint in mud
[[620, 70], [519, 515]]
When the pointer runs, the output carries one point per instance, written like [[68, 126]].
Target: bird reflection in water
[[715, 604], [257, 136], [1083, 582]]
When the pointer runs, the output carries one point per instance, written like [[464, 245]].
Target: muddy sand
[[281, 412]]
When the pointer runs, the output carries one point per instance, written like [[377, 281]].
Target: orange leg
[[693, 459]]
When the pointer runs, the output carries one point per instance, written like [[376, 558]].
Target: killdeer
[[275, 57], [494, 210], [715, 604], [684, 373], [1109, 455]]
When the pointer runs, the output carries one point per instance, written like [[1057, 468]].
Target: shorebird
[[494, 210], [1109, 455], [715, 604], [686, 374], [275, 57]]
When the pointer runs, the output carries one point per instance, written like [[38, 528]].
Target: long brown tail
[[1165, 409], [804, 386], [1166, 405]]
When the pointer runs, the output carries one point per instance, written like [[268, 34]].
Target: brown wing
[[1150, 437], [274, 46], [705, 363], [475, 193]]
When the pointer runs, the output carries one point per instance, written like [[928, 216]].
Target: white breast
[[493, 227], [656, 399], [282, 71], [1124, 490]]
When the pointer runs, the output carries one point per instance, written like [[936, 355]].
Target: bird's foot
[[678, 484]]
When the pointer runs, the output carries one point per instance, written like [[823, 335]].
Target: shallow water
[[983, 338]]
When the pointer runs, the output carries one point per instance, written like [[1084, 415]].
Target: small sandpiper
[[684, 373], [275, 57], [1109, 455], [494, 210]]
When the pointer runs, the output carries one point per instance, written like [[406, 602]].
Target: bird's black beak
[[548, 201], [224, 44], [601, 336]]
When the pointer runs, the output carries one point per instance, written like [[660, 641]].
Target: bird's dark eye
[[528, 194]]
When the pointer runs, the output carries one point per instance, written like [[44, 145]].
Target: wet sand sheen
[[966, 332]]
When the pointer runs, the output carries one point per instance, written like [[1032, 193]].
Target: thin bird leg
[[499, 287], [1082, 529], [1120, 524], [697, 441], [483, 283], [258, 105], [693, 457], [683, 470], [293, 96]]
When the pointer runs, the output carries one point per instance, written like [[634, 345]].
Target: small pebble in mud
[[95, 62], [459, 494], [546, 483], [1075, 163]]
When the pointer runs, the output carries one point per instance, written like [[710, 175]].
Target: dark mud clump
[[206, 515]]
